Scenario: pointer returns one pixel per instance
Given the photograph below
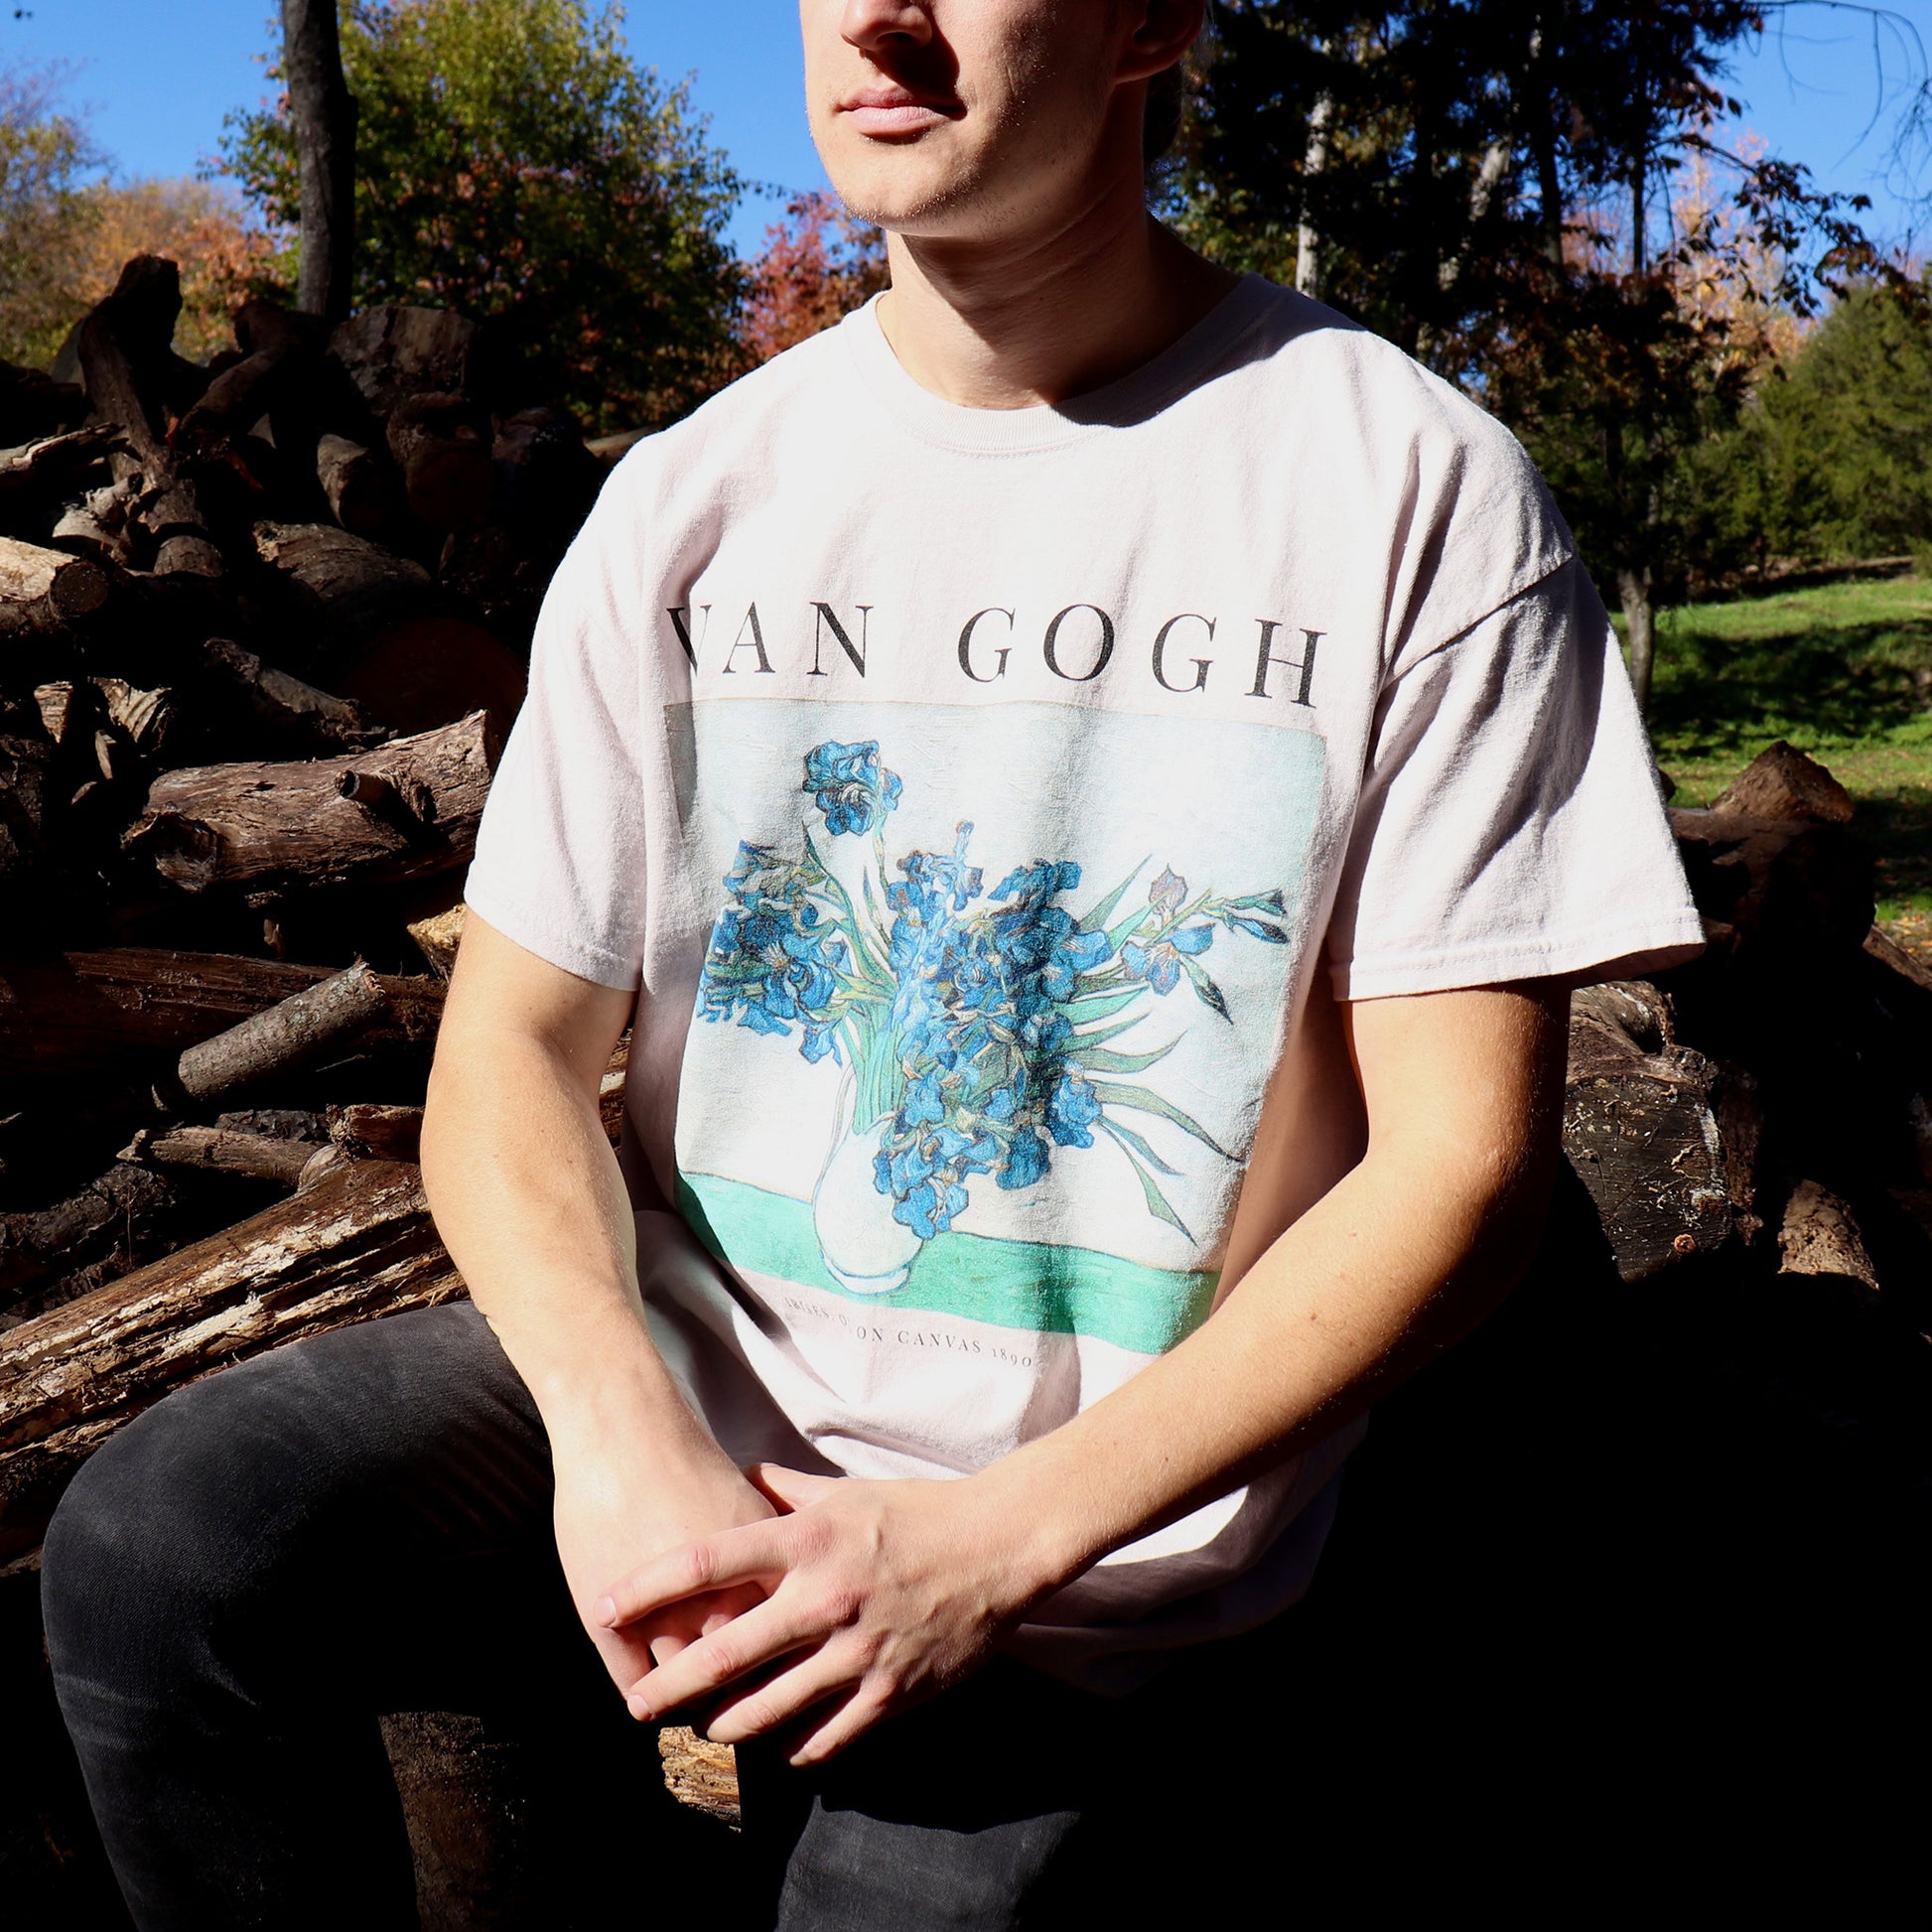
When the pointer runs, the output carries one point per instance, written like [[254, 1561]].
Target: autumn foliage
[[818, 265]]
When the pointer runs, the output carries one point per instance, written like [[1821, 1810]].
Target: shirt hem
[[1650, 949], [575, 956]]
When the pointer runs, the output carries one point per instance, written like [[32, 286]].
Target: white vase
[[863, 1248]]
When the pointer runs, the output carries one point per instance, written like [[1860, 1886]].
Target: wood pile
[[262, 627]]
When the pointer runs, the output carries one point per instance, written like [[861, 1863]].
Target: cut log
[[358, 1245], [27, 792], [123, 1218], [149, 720], [45, 592], [280, 349], [393, 352], [1819, 1236], [53, 462], [441, 443], [266, 830], [384, 1133], [292, 714], [131, 1010], [346, 590], [323, 1019], [546, 477], [1664, 1139], [1777, 891], [221, 1150], [1782, 783], [364, 489]]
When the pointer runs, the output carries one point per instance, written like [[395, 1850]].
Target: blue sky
[[156, 76]]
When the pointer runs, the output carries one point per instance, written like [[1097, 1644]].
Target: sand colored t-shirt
[[976, 797]]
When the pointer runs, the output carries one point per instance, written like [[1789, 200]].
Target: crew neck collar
[[1042, 426]]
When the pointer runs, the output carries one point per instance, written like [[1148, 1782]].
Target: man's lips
[[898, 111]]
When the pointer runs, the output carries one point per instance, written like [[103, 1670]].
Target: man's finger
[[771, 1705], [846, 1721], [752, 1553], [758, 1638]]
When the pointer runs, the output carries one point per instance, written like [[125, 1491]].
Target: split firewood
[[131, 1010], [356, 1245], [290, 712], [96, 526], [438, 938], [126, 1217], [403, 810], [347, 591], [441, 444], [148, 719], [364, 488], [187, 553], [1819, 1236], [278, 1123], [394, 352], [612, 1087], [70, 712], [1664, 1139], [610, 449], [1781, 782], [45, 592], [221, 1150], [323, 1019]]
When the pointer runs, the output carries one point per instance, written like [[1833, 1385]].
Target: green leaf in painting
[[1103, 1060], [1208, 993], [1097, 917], [1145, 1100], [1139, 1143], [1157, 1203]]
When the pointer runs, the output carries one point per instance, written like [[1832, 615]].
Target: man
[[1087, 782]]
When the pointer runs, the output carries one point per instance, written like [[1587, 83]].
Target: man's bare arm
[[527, 1195], [879, 1592]]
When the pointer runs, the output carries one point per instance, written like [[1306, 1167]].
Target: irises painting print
[[979, 1030]]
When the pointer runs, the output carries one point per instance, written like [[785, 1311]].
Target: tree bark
[[266, 830], [332, 1015], [131, 1010], [1640, 621], [324, 112], [358, 1244]]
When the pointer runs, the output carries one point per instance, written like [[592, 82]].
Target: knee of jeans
[[140, 1554]]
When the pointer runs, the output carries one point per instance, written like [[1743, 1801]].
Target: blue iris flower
[[854, 792], [1159, 965]]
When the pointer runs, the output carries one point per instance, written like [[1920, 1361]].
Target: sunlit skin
[[998, 141]]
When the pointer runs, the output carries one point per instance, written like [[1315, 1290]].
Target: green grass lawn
[[1843, 671]]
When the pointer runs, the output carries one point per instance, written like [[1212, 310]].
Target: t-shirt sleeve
[[560, 854], [1510, 824]]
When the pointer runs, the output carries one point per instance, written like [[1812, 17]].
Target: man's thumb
[[787, 1489]]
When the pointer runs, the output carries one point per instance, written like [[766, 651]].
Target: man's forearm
[[1398, 1260], [529, 1199]]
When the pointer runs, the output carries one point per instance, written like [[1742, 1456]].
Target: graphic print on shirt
[[1007, 1071]]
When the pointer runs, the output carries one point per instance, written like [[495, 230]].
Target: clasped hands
[[874, 1595]]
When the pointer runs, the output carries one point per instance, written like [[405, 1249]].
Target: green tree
[[1831, 459], [513, 164], [1486, 182], [46, 160]]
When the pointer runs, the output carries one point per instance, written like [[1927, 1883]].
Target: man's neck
[[1073, 304]]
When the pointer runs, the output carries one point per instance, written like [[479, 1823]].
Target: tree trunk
[[1308, 238], [1640, 619], [324, 112]]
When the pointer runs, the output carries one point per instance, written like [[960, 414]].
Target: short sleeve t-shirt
[[982, 800]]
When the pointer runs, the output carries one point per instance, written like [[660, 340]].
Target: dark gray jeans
[[250, 1574]]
